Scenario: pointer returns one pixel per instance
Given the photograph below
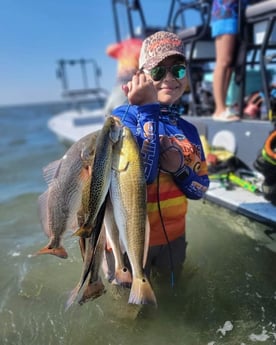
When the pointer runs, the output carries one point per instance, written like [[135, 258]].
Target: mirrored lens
[[159, 72], [178, 71]]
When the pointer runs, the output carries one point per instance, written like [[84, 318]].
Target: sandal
[[226, 116]]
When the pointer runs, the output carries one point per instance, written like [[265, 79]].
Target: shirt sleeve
[[143, 121], [196, 182], [193, 186]]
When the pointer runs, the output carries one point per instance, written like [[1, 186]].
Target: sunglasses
[[159, 72]]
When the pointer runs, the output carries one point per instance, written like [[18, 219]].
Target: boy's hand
[[171, 156], [140, 90]]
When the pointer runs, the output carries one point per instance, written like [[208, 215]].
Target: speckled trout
[[59, 204], [101, 172], [128, 197]]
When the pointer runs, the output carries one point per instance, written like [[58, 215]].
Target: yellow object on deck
[[221, 153]]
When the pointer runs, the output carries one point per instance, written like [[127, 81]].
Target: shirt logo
[[149, 130]]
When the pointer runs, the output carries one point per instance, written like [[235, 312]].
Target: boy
[[174, 161]]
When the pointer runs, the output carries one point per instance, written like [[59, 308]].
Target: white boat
[[244, 138], [71, 125], [86, 104]]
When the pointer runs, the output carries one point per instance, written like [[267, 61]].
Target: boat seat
[[196, 48], [260, 11], [258, 33]]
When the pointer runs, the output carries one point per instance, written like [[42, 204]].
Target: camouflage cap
[[158, 46]]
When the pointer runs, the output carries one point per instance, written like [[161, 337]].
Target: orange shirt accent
[[173, 205]]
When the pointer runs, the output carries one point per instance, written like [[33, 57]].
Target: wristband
[[182, 173]]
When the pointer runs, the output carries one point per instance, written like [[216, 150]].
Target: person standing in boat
[[175, 166], [127, 53], [224, 26]]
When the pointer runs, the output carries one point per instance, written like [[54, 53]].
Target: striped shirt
[[166, 194]]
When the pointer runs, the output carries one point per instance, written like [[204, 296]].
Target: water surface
[[226, 293]]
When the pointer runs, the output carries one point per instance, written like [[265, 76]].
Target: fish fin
[[74, 223], [89, 168], [122, 166], [85, 173], [93, 291], [51, 171], [72, 297], [122, 246], [82, 244], [141, 292], [146, 245], [82, 232], [43, 212], [123, 276], [60, 252]]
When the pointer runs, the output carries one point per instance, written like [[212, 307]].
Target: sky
[[35, 34]]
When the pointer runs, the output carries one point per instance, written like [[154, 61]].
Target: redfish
[[128, 197]]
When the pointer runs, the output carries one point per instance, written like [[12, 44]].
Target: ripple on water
[[226, 293]]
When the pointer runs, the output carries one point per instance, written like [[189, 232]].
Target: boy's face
[[169, 89]]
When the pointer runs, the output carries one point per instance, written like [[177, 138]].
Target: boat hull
[[246, 136]]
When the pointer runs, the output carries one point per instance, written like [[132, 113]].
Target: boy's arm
[[189, 170], [193, 185]]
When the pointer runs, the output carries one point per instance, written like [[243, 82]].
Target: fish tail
[[92, 291], [123, 276], [59, 252], [141, 292]]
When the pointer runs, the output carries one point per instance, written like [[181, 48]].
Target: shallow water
[[226, 293]]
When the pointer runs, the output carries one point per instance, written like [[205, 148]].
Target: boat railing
[[76, 94], [97, 92], [257, 21], [131, 12]]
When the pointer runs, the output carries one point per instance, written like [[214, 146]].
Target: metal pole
[[84, 73]]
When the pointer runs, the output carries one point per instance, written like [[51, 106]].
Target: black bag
[[265, 163]]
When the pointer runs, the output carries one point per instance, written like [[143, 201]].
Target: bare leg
[[225, 48]]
